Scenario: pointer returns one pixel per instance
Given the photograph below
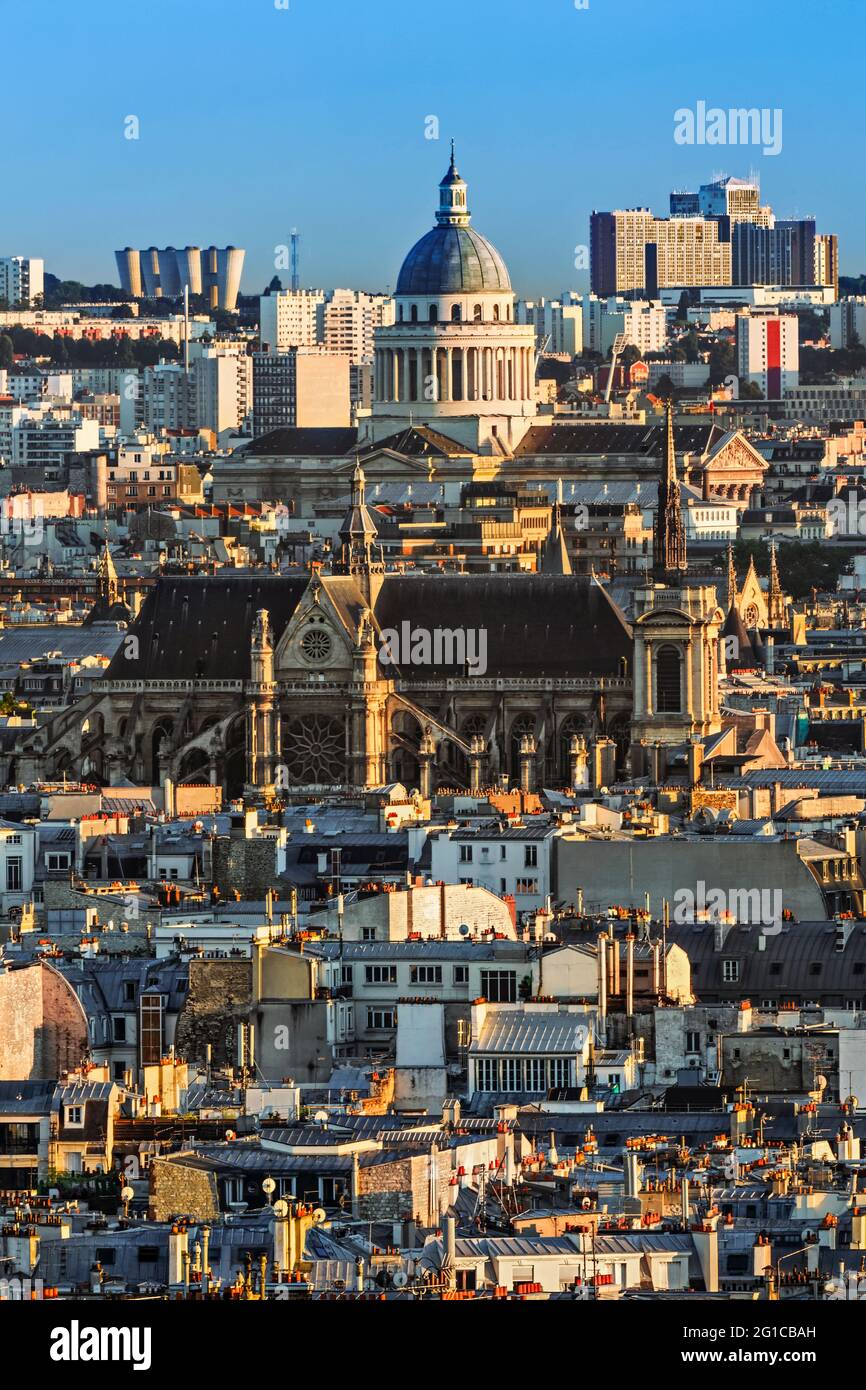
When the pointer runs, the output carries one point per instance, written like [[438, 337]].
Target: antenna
[[296, 279]]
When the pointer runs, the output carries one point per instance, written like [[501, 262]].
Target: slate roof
[[536, 625], [525, 1033], [199, 628], [305, 441], [596, 438]]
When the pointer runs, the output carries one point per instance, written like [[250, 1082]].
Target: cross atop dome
[[453, 211]]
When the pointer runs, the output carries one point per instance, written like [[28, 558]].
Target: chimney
[[178, 1246], [450, 1250], [762, 1256], [632, 1166], [685, 1192], [602, 977], [629, 976], [706, 1239]]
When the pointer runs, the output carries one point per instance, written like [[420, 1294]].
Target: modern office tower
[[292, 318], [739, 199], [643, 321], [558, 325], [303, 387], [827, 262], [763, 255], [157, 273], [631, 250], [684, 204], [848, 322], [768, 352], [802, 248], [22, 279]]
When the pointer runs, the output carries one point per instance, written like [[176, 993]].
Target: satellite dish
[[321, 1117], [281, 1208], [230, 1134], [126, 1194], [463, 929], [269, 1186], [400, 1279], [820, 1083], [852, 1102], [319, 1215]]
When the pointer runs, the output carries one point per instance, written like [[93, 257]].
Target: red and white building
[[768, 352]]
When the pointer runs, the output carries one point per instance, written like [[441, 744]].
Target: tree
[[275, 284], [683, 307], [664, 387], [7, 351]]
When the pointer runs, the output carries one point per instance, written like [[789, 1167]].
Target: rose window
[[316, 645], [314, 750]]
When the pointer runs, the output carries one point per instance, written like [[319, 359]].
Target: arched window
[[668, 683], [455, 313], [476, 313], [434, 314], [508, 312], [400, 314], [496, 313], [413, 313]]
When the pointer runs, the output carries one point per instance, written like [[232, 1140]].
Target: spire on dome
[[453, 211]]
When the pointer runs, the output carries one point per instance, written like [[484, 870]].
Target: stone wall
[[219, 997], [43, 1029], [248, 867], [178, 1190]]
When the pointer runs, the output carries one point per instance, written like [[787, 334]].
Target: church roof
[[418, 441], [562, 626], [603, 438], [333, 442], [734, 627], [453, 260], [535, 624], [199, 627]]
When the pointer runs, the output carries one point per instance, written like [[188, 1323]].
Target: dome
[[453, 260]]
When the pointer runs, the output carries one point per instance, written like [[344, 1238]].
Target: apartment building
[[630, 249], [768, 352], [642, 321], [21, 279], [300, 388]]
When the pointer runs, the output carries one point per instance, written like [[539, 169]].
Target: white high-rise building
[[643, 321], [292, 318], [848, 322], [22, 279], [223, 382], [768, 352], [558, 324]]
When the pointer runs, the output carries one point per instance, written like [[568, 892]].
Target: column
[[648, 657], [406, 396], [690, 684], [449, 364]]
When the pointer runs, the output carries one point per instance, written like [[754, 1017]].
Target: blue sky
[[254, 119]]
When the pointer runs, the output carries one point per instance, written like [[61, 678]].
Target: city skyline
[[543, 132]]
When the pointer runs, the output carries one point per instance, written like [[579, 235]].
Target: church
[[259, 682]]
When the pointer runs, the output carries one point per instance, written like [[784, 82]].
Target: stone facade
[[219, 998], [44, 1027], [179, 1190]]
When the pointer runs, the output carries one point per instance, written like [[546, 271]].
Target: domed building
[[454, 359]]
